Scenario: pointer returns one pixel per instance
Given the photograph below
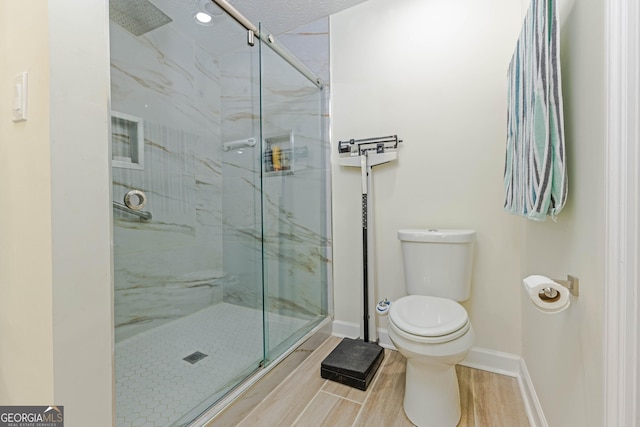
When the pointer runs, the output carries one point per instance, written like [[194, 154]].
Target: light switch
[[20, 97]]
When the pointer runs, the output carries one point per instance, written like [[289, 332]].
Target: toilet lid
[[427, 316]]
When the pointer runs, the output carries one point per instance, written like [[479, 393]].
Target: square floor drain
[[195, 357]]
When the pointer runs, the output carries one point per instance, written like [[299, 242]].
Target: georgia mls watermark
[[31, 416]]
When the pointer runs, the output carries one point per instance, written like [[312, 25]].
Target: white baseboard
[[530, 398], [352, 330], [493, 361], [478, 358], [345, 329]]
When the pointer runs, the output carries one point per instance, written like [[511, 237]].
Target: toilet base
[[432, 396]]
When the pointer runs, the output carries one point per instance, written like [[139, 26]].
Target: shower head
[[137, 16]]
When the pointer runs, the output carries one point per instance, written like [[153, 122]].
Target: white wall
[[433, 72], [563, 352], [81, 211], [55, 274], [26, 353]]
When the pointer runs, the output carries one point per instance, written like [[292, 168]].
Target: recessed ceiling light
[[203, 18]]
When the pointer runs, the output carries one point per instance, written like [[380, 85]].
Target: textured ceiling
[[284, 15], [224, 34]]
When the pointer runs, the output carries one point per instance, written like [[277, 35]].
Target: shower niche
[[127, 141], [283, 156]]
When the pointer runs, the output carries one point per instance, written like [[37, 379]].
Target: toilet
[[428, 326]]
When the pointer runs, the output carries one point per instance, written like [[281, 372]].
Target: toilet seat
[[428, 319]]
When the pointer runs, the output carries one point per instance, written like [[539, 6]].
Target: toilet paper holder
[[572, 283]]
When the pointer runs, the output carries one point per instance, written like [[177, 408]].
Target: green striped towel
[[535, 175]]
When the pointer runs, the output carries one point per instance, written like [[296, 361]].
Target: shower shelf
[[279, 173], [281, 152]]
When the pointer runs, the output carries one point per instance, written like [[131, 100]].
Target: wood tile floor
[[305, 399]]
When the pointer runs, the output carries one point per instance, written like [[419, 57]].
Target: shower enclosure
[[220, 192]]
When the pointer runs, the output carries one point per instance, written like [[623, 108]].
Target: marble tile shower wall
[[241, 217], [206, 203], [166, 268], [294, 225]]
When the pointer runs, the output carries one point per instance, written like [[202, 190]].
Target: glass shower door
[[294, 201], [188, 264]]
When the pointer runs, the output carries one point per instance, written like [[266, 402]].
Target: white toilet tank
[[438, 262]]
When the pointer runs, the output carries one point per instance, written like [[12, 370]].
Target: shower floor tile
[[156, 387]]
